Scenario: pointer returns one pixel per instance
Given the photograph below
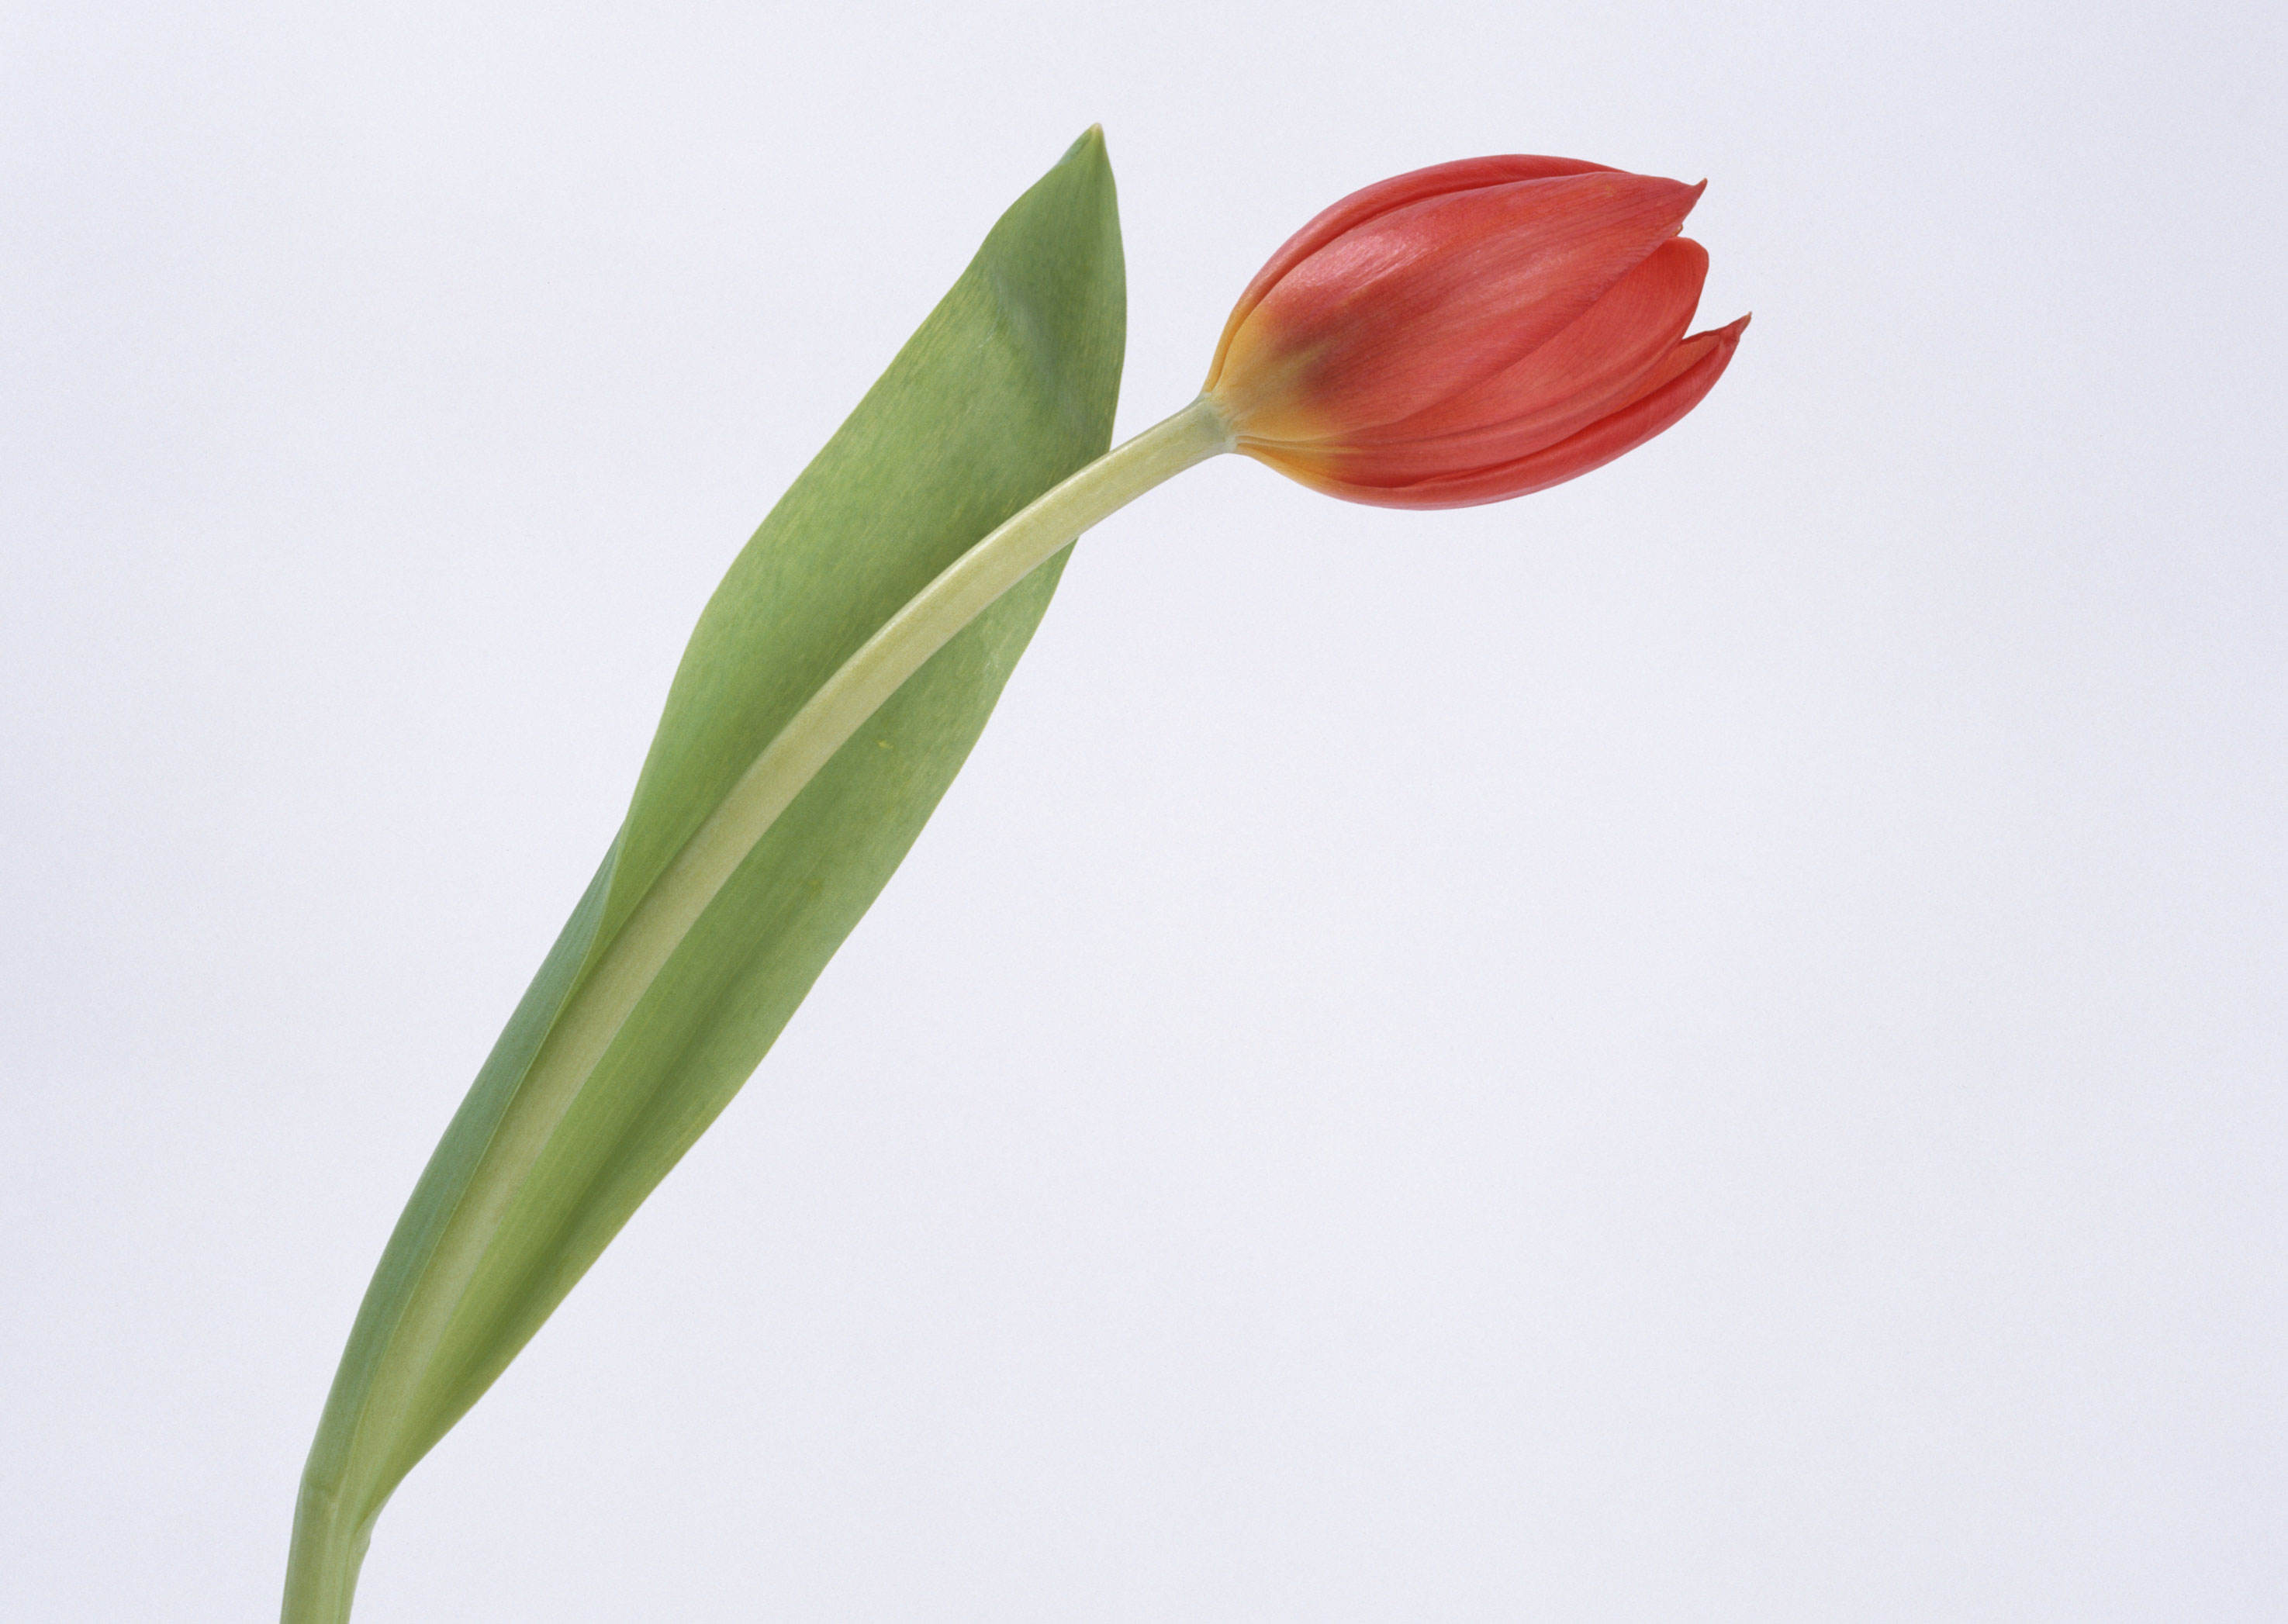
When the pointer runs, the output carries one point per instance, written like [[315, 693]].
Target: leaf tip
[[1091, 144]]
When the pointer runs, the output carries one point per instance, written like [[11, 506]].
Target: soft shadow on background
[[1706, 1045]]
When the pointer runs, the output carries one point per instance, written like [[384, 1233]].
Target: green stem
[[334, 1519], [968, 587]]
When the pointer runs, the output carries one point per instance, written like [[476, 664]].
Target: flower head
[[1470, 332]]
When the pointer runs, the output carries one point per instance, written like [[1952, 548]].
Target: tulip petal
[[1659, 401], [1593, 367], [1434, 297], [1383, 197]]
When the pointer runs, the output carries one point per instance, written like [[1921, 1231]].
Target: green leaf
[[636, 1033]]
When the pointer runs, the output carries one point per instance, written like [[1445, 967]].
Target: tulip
[[1459, 335], [1470, 332]]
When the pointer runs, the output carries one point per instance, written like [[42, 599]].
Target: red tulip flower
[[1454, 335], [1470, 332]]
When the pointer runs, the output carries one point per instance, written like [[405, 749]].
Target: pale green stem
[[330, 1532], [969, 586]]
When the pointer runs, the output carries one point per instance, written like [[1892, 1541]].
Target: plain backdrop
[[1705, 1046]]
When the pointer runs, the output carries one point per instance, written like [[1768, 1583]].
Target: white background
[[1705, 1046]]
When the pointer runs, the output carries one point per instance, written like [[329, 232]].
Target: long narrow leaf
[[601, 1083]]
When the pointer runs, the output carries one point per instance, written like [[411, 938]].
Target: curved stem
[[968, 587], [334, 1518]]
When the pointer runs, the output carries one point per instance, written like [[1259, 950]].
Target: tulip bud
[[1470, 332]]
